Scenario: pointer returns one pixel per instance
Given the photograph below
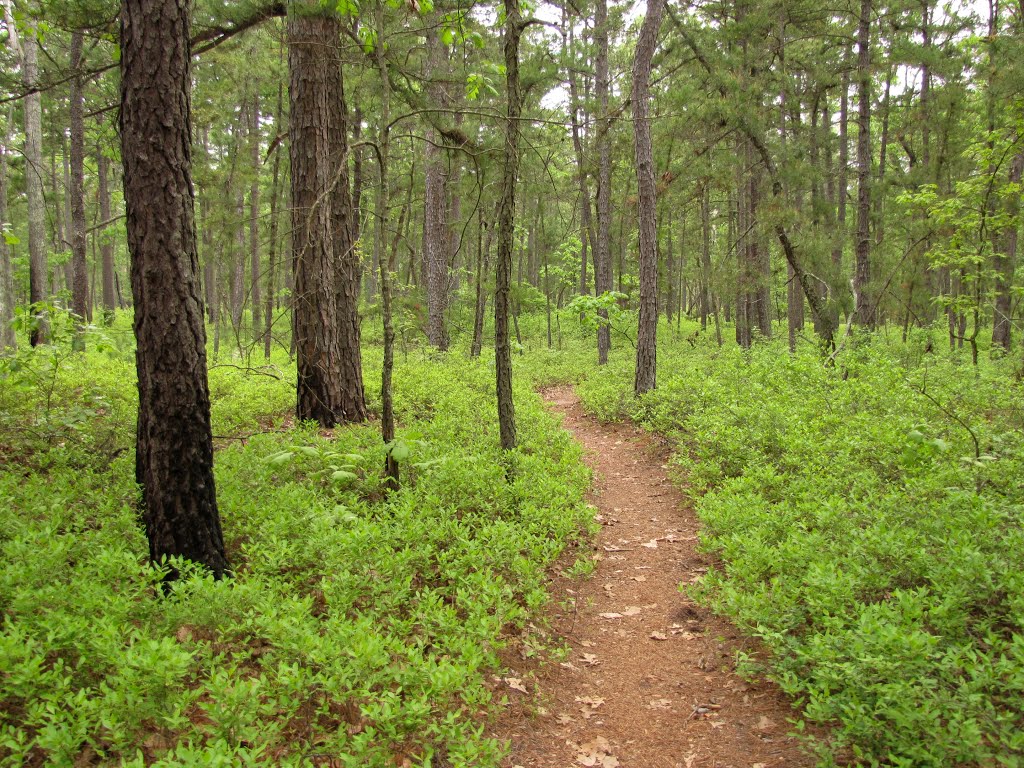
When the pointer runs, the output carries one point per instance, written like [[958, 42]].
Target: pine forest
[[512, 384]]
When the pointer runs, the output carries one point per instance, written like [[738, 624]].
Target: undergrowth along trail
[[648, 678]]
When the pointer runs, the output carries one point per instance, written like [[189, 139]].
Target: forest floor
[[649, 681]]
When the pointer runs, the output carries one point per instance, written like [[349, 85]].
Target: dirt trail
[[649, 680]]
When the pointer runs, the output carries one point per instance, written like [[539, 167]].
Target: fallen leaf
[[659, 636], [660, 703], [639, 578], [610, 615], [590, 659], [652, 544], [516, 684], [765, 724], [565, 719], [631, 610], [587, 644]]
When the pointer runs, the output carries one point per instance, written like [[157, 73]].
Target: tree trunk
[[1006, 262], [506, 214], [483, 264], [705, 253], [256, 300], [862, 273], [106, 244], [34, 188], [174, 446], [436, 239], [647, 201], [274, 226], [603, 252], [80, 273], [330, 385], [383, 198], [8, 339]]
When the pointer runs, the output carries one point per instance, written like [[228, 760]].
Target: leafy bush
[[868, 519], [356, 627]]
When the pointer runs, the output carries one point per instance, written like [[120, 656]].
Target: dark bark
[[506, 213], [386, 267], [174, 446], [330, 385], [647, 201]]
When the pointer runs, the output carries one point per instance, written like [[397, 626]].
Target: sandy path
[[648, 682]]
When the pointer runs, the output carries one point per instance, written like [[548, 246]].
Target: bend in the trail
[[649, 680]]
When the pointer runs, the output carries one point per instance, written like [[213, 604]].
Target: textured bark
[[8, 339], [386, 267], [174, 447], [106, 244], [80, 275], [506, 214], [330, 385], [647, 201], [254, 217], [603, 249], [34, 186], [862, 271], [842, 175]]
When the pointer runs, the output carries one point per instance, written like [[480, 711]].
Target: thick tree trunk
[[603, 251], [506, 215], [174, 447], [80, 273], [647, 201], [862, 272], [330, 385]]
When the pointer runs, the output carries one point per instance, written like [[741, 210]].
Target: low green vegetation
[[868, 517], [356, 627]]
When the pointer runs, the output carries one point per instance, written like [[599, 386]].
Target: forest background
[[803, 219]]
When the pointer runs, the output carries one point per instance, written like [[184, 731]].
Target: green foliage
[[868, 521], [354, 627]]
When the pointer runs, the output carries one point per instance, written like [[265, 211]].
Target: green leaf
[[279, 459], [399, 450], [342, 474]]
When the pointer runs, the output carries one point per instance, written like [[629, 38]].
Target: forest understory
[[867, 556]]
